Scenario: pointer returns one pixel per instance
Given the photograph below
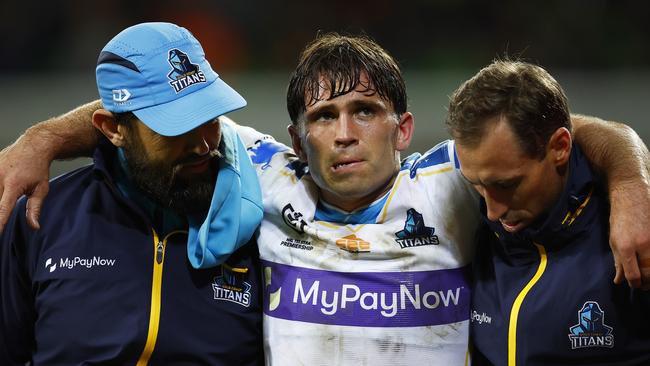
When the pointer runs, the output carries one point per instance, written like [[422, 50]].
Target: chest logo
[[353, 244], [231, 285], [293, 218], [415, 233], [79, 263], [591, 330]]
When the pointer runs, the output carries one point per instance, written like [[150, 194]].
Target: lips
[[342, 164], [196, 166], [511, 226]]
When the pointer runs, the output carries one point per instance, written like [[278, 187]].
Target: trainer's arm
[[620, 154], [25, 164]]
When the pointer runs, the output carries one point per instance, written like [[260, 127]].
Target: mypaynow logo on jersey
[[71, 263], [368, 299]]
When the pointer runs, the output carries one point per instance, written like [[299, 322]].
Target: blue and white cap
[[159, 72]]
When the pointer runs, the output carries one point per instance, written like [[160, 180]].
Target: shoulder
[[65, 192], [435, 177], [276, 165], [72, 183], [443, 154], [265, 149]]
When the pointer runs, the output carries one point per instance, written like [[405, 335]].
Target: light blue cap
[[159, 72]]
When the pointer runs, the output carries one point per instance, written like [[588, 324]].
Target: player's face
[[177, 171], [517, 188], [351, 144]]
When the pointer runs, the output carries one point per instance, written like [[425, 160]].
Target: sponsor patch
[[69, 263], [475, 317], [366, 299], [353, 244]]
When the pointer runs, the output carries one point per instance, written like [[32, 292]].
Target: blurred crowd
[[258, 35]]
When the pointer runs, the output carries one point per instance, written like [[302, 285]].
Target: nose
[[346, 131], [202, 139], [496, 208]]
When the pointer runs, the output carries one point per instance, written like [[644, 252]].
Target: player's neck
[[350, 203]]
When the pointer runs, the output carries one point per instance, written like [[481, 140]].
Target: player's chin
[[355, 188]]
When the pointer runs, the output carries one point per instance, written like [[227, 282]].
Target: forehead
[[498, 155], [363, 92]]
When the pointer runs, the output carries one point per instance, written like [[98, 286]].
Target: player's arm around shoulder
[[24, 165], [616, 151]]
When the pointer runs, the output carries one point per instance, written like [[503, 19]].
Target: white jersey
[[385, 285]]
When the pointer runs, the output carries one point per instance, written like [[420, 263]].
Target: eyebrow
[[310, 114], [354, 105], [369, 103]]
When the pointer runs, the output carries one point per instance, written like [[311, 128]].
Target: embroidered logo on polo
[[293, 218], [231, 285], [51, 266], [415, 233], [591, 330], [475, 317], [366, 299], [353, 244], [69, 263], [184, 73]]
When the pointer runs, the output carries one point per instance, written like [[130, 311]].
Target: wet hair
[[527, 96], [337, 62]]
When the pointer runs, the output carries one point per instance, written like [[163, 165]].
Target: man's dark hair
[[527, 96], [340, 61]]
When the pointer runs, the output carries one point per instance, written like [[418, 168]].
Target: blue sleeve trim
[[456, 161], [439, 154]]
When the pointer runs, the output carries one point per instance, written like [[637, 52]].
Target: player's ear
[[105, 122], [559, 146], [296, 141], [405, 130]]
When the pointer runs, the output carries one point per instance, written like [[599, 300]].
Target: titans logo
[[184, 73]]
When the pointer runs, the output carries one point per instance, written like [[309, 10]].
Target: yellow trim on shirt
[[514, 313], [572, 217], [156, 294], [437, 171]]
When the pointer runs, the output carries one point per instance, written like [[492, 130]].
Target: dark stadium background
[[598, 50]]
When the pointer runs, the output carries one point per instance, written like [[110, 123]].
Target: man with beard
[[107, 280]]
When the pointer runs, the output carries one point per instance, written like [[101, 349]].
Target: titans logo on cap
[[184, 73]]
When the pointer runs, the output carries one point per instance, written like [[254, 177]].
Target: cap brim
[[192, 110]]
